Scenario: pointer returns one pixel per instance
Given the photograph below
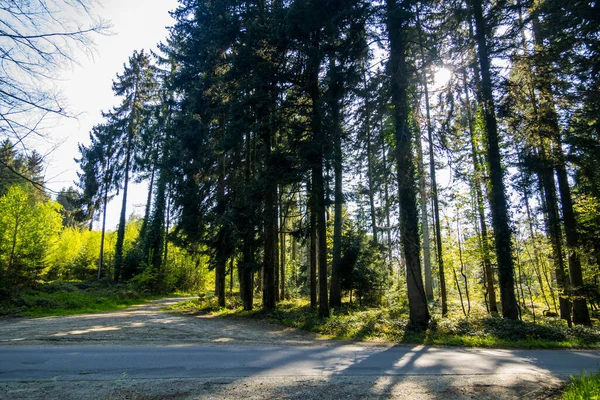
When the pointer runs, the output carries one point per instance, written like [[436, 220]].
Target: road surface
[[142, 353], [153, 362]]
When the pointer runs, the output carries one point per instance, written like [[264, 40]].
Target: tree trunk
[[102, 234], [318, 181], [148, 208], [282, 255], [424, 223], [397, 26], [335, 299], [156, 231], [462, 265], [478, 172], [313, 248], [555, 233], [423, 191], [246, 274], [436, 205], [276, 246], [581, 315], [122, 222], [550, 128], [370, 163], [388, 206], [499, 206]]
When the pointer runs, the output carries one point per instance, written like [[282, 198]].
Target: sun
[[441, 77]]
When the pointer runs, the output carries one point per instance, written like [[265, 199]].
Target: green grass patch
[[584, 386], [351, 322], [69, 298]]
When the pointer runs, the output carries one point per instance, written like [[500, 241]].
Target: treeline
[[302, 145], [309, 134], [44, 240]]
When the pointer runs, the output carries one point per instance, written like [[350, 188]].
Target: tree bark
[[318, 181], [122, 222], [499, 206], [397, 25], [424, 223], [102, 234], [335, 297], [313, 248]]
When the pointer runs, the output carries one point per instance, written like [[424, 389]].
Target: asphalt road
[[33, 363]]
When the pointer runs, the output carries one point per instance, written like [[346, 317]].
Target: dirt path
[[147, 324]]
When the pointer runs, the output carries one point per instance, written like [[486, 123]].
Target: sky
[[86, 88]]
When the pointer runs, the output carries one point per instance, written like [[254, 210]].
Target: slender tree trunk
[[581, 315], [268, 280], [536, 253], [397, 25], [318, 181], [423, 191], [231, 277], [313, 248], [122, 222], [370, 163], [388, 206], [102, 234], [436, 205], [424, 223], [167, 228], [434, 191], [246, 274], [294, 246], [282, 263], [246, 267], [556, 237], [462, 265], [156, 231], [148, 208], [550, 128], [276, 246], [499, 206], [221, 253], [270, 263], [335, 299], [478, 172]]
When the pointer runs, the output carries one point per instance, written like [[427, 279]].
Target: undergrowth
[[67, 298], [351, 322], [584, 386]]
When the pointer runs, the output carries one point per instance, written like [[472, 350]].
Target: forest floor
[[149, 324]]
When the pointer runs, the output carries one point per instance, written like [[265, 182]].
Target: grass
[[585, 386], [69, 298], [391, 324]]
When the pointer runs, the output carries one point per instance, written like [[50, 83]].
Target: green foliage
[[584, 386], [71, 201], [74, 255], [20, 168], [28, 229], [362, 268]]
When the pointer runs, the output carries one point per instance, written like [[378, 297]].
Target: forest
[[433, 156]]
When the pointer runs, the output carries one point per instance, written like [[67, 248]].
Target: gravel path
[[147, 325]]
